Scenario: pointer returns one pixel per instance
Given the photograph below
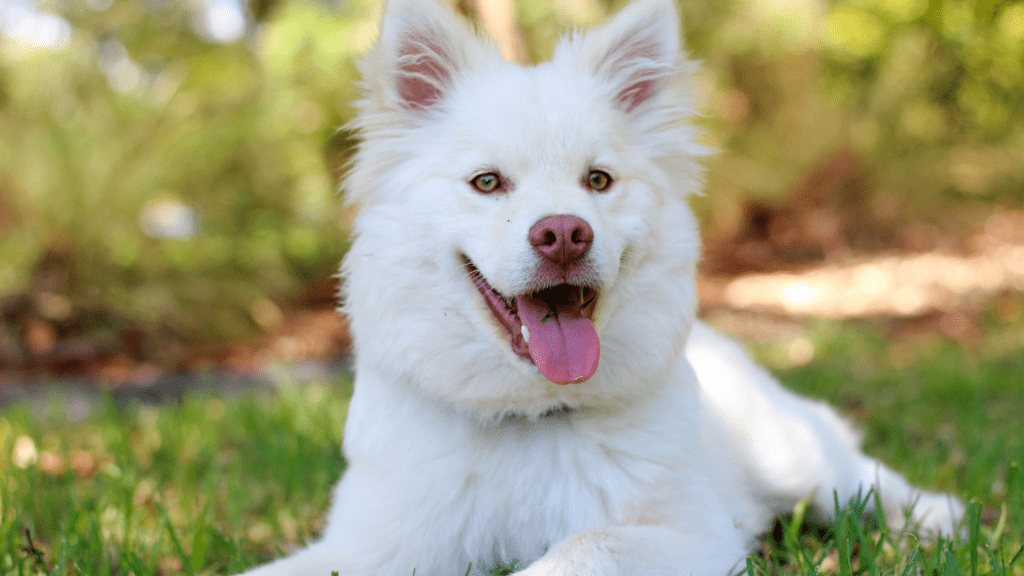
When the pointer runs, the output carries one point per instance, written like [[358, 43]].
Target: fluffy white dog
[[531, 383]]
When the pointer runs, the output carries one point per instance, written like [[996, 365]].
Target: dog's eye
[[488, 182], [598, 180]]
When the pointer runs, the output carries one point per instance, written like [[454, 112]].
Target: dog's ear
[[422, 49], [636, 52]]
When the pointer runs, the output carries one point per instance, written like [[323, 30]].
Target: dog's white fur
[[679, 450]]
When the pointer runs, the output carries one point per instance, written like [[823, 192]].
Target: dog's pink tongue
[[563, 342]]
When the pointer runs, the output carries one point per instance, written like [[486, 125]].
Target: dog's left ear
[[636, 52]]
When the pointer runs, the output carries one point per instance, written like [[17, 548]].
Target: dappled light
[[169, 172], [888, 285], [885, 285], [175, 375]]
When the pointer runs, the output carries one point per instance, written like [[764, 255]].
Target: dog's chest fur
[[516, 486]]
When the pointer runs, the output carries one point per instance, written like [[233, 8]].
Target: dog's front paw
[[551, 565], [540, 568]]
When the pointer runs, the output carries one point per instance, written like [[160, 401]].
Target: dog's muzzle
[[552, 326]]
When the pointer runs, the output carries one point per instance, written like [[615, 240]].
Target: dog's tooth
[[526, 333]]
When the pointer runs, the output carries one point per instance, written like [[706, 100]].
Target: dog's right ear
[[422, 50], [636, 52]]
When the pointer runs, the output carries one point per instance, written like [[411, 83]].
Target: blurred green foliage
[[140, 116], [887, 110]]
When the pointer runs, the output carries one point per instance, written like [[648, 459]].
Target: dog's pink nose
[[562, 239]]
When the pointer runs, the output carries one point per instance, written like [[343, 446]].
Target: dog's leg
[[316, 560], [646, 550], [790, 447]]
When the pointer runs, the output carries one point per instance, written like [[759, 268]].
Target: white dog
[[531, 383]]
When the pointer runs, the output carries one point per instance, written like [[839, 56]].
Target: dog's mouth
[[552, 327]]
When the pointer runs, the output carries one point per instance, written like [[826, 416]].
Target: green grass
[[209, 486], [213, 485]]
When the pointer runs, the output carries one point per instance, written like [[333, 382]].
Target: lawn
[[214, 484]]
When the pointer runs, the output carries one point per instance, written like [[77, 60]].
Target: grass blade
[[1017, 556], [843, 545], [912, 561], [974, 534], [176, 543]]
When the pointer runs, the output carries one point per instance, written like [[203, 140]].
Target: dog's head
[[523, 228]]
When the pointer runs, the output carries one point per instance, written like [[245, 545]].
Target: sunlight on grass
[[205, 487]]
